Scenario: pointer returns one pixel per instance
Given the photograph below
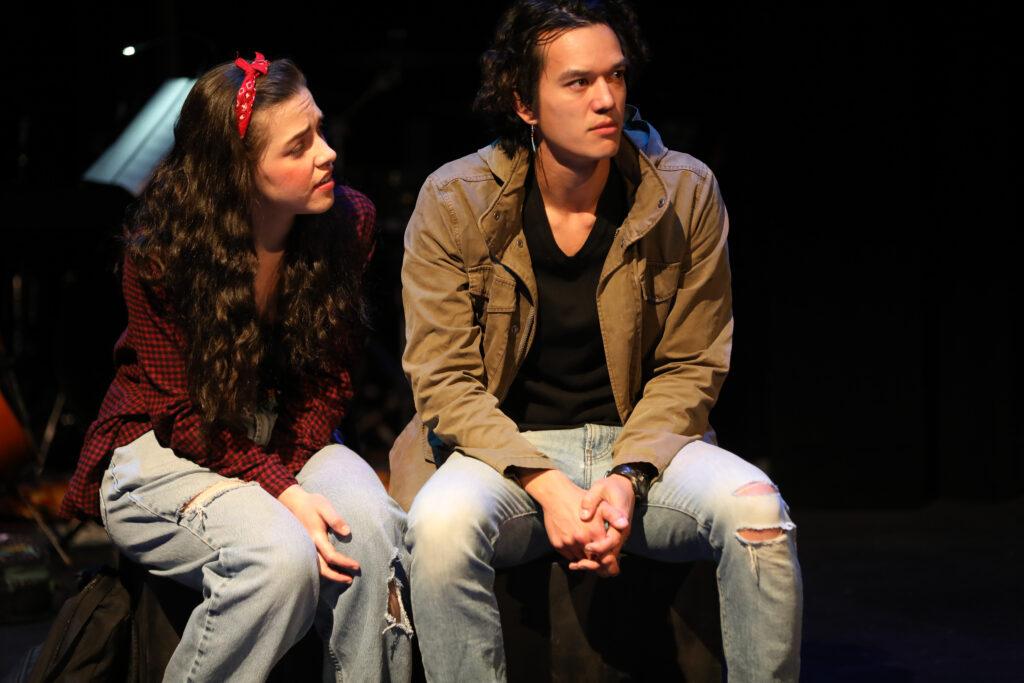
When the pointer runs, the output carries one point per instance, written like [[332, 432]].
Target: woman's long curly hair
[[191, 239], [512, 66]]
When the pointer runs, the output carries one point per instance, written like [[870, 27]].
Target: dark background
[[867, 156]]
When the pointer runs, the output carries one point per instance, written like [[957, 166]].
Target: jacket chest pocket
[[659, 285], [660, 282], [479, 291], [500, 330]]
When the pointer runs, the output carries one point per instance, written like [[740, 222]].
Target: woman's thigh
[[173, 516], [358, 496]]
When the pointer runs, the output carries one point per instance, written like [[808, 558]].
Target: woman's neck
[[269, 234], [270, 230]]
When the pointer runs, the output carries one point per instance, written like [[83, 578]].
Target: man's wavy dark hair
[[513, 64], [190, 237]]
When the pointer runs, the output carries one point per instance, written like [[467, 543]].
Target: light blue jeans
[[257, 567], [469, 520]]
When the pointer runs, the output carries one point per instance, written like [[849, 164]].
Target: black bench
[[655, 621]]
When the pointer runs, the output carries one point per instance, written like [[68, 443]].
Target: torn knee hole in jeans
[[757, 488], [396, 616], [759, 537]]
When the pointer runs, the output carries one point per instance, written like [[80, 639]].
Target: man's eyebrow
[[579, 73]]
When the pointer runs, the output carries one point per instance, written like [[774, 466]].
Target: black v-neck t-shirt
[[564, 379]]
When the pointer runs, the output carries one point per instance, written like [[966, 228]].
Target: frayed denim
[[468, 520], [256, 565]]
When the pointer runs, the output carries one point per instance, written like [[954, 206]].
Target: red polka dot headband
[[246, 96]]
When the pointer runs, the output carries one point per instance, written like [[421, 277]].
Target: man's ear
[[524, 112]]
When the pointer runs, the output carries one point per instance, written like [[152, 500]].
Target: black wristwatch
[[640, 474]]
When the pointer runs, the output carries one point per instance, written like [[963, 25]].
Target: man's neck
[[570, 187]]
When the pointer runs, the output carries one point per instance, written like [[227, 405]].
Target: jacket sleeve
[[443, 354], [159, 345], [690, 361]]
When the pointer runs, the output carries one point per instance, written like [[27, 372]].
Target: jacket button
[[519, 243], [661, 202], [497, 215]]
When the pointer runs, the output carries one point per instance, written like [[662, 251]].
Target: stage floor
[[930, 594]]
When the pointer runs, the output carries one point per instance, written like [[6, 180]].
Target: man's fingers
[[585, 565], [591, 499], [608, 569], [614, 516], [569, 553], [611, 541]]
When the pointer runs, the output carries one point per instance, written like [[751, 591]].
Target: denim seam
[[703, 524], [335, 662], [214, 594], [139, 503], [176, 520], [493, 540]]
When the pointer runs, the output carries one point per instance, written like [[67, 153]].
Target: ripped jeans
[[257, 567], [468, 520]]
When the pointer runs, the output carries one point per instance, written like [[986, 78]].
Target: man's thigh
[[696, 492], [469, 503]]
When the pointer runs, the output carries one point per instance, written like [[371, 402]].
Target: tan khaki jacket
[[663, 302]]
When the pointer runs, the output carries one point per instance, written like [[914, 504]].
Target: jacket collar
[[637, 160]]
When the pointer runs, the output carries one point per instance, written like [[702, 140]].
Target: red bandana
[[247, 93]]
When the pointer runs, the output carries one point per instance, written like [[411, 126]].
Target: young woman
[[212, 459]]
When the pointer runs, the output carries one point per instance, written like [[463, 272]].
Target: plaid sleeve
[[159, 345], [363, 214], [307, 423]]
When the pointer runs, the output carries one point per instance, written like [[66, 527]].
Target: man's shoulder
[[671, 161], [472, 168], [645, 138]]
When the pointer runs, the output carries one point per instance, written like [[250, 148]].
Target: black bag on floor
[[92, 637]]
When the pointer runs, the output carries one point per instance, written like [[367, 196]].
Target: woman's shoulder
[[356, 204], [358, 209]]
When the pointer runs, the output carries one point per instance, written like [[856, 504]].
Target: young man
[[569, 325]]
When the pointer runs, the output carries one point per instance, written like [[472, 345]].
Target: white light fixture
[[131, 160]]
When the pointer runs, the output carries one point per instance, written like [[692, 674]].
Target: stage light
[[128, 51], [131, 160]]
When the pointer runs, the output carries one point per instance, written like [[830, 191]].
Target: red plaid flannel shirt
[[149, 392]]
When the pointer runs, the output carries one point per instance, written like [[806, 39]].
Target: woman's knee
[[288, 571]]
